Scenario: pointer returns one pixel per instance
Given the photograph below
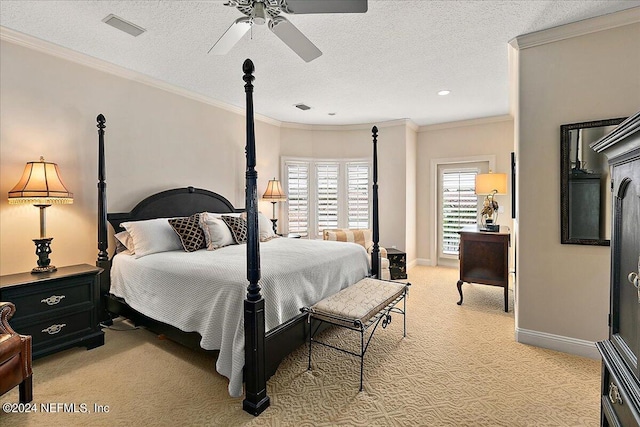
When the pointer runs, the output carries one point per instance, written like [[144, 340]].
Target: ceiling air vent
[[303, 107], [123, 25]]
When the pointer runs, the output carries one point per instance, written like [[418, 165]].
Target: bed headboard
[[174, 203]]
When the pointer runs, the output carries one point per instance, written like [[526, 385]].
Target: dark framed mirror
[[584, 184]]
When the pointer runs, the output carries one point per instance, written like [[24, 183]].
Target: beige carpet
[[458, 366]]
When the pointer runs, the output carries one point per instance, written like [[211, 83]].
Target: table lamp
[[490, 184], [274, 194], [42, 187]]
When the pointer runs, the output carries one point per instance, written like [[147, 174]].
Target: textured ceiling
[[386, 64]]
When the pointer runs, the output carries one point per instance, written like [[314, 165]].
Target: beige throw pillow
[[216, 232]]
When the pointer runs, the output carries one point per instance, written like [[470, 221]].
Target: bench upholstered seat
[[358, 304]]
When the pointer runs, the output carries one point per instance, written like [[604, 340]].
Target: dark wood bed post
[[103, 243], [375, 252], [256, 399]]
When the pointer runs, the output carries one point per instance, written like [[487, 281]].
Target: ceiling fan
[[258, 11]]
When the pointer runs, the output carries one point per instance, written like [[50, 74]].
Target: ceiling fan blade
[[233, 34], [324, 6], [293, 38]]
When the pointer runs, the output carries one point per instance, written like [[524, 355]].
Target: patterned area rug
[[458, 366]]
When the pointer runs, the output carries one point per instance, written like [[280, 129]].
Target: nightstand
[[397, 263], [58, 309]]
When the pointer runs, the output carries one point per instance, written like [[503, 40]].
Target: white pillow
[[152, 236], [265, 227], [216, 232]]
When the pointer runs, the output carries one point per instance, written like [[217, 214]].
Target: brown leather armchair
[[15, 356]]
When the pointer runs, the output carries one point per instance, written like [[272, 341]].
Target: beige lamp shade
[[40, 185], [487, 183], [274, 192]]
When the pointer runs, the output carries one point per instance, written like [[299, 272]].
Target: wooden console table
[[484, 259]]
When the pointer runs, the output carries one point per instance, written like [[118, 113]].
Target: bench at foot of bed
[[360, 307]]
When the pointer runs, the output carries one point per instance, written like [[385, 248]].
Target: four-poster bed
[[267, 339]]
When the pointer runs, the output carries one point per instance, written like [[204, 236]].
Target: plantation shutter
[[459, 207], [358, 195], [327, 200], [298, 197]]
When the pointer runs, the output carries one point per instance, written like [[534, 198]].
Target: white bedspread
[[204, 291]]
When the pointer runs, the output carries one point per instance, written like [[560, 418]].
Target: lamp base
[[275, 225], [48, 269], [493, 228], [43, 249]]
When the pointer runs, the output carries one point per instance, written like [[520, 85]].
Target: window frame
[[433, 221], [343, 201]]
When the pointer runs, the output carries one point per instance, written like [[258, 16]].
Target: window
[[325, 194], [297, 190], [358, 195], [459, 207]]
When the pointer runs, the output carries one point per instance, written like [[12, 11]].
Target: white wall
[[563, 289], [468, 139], [411, 239], [155, 140]]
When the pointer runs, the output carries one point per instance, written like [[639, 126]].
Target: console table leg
[[460, 282], [506, 299]]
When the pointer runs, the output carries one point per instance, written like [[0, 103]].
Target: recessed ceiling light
[[332, 114], [444, 92], [302, 107]]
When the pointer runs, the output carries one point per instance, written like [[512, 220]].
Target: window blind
[[459, 207], [298, 197], [327, 196], [358, 195]]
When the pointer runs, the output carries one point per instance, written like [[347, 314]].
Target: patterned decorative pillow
[[189, 231], [238, 227], [124, 243]]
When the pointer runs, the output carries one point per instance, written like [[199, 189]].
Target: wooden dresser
[[484, 259], [620, 391]]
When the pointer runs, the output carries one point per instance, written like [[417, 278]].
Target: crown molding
[[578, 28], [34, 43], [362, 126], [462, 123]]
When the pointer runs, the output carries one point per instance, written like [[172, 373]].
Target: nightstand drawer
[[43, 333], [35, 300]]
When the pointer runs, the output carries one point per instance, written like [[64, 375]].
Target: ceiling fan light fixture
[[258, 14]]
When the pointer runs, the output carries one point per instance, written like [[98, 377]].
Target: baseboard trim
[[424, 261], [558, 342]]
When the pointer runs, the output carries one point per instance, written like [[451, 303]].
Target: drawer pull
[[54, 329], [53, 299], [614, 394]]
